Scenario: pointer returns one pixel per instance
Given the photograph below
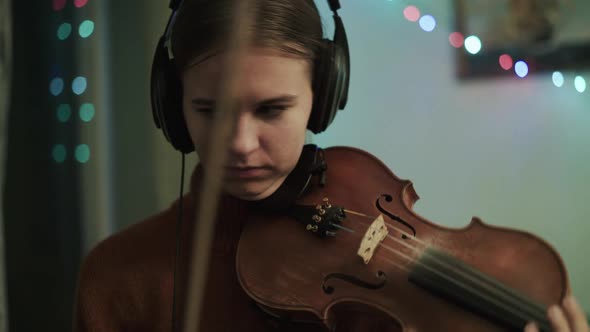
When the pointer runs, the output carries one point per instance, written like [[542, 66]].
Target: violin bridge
[[372, 238]]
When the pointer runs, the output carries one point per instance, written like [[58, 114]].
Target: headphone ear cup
[[328, 86], [166, 96]]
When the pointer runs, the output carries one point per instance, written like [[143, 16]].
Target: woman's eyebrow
[[285, 98], [203, 102]]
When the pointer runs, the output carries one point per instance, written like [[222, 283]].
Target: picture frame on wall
[[547, 35]]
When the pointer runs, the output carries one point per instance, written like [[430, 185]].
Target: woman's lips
[[245, 172]]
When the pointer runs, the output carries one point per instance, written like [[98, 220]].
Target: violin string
[[544, 324], [528, 308], [479, 280], [487, 291]]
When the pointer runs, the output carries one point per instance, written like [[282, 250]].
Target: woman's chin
[[251, 191]]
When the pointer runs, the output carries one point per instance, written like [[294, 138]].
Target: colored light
[[86, 28], [87, 112], [59, 5], [427, 23], [64, 111], [456, 39], [82, 153], [80, 3], [411, 13], [79, 85], [64, 30], [473, 44], [59, 153], [558, 79], [506, 61], [521, 69], [580, 84], [56, 87]]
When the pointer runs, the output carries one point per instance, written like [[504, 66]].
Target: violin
[[351, 240]]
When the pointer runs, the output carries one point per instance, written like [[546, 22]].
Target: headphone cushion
[[328, 83], [166, 96]]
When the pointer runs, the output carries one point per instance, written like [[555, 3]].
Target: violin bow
[[221, 132]]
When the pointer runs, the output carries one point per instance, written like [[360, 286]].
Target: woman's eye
[[271, 110], [204, 110]]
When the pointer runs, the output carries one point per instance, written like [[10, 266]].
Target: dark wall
[[132, 123], [41, 196]]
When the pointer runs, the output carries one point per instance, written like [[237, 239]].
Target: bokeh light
[[427, 23], [63, 31], [59, 5], [558, 79], [456, 39], [86, 28], [521, 69], [473, 44], [64, 112], [56, 87], [59, 153], [411, 13], [80, 3], [82, 153], [79, 85], [505, 61], [580, 84], [87, 112]]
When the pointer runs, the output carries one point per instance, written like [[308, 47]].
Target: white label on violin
[[374, 235]]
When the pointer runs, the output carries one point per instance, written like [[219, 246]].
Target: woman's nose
[[245, 136]]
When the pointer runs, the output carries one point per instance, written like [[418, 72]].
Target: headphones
[[331, 79]]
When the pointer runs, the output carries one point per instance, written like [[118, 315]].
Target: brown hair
[[292, 26]]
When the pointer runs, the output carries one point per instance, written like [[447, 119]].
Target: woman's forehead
[[261, 69]]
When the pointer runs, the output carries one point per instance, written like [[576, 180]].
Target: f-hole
[[389, 199], [381, 276]]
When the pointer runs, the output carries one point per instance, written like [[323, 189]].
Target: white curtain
[[5, 71]]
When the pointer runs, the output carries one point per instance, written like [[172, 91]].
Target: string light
[[63, 31], [56, 86], [505, 61], [82, 153], [64, 111], [558, 79], [580, 84], [59, 153], [473, 45], [80, 3], [411, 13], [86, 28], [79, 85], [521, 69], [456, 39], [87, 112], [427, 23], [58, 5]]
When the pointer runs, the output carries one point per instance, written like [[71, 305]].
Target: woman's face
[[274, 101]]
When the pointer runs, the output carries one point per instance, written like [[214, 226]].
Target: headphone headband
[[175, 4]]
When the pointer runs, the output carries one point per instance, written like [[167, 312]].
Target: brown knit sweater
[[126, 281]]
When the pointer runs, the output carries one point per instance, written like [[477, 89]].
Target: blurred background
[[499, 130]]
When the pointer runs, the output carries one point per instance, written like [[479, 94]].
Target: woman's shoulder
[[125, 274], [150, 241]]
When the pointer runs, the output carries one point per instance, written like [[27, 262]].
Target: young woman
[[128, 282]]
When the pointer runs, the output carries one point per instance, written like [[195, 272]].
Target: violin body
[[480, 278]]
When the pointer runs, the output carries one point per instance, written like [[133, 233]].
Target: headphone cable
[[177, 252]]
